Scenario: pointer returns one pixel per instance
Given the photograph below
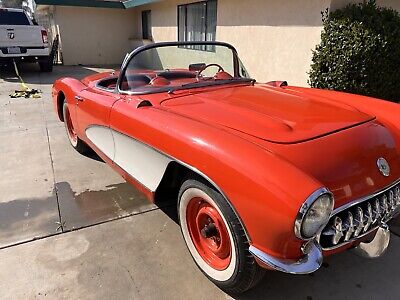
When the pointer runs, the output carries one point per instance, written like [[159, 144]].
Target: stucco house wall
[[395, 4], [274, 39], [95, 35]]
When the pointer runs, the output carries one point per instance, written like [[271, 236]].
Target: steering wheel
[[220, 69]]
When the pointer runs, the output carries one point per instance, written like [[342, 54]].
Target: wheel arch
[[174, 176], [65, 89], [60, 102]]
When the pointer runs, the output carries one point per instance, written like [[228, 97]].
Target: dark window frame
[[146, 35], [185, 6]]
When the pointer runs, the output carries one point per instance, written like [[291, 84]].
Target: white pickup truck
[[22, 40]]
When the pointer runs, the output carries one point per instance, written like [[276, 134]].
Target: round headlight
[[317, 216]]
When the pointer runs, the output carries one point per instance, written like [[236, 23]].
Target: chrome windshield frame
[[140, 49]]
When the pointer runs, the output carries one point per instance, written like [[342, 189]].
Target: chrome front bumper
[[313, 257], [309, 263]]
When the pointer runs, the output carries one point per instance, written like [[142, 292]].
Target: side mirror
[[277, 83], [197, 67]]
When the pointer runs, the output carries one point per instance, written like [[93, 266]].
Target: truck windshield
[[13, 18]]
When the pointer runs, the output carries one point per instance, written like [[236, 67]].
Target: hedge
[[359, 51]]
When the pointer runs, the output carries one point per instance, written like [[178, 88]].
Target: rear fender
[[66, 88]]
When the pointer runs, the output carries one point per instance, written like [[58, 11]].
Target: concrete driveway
[[72, 228]]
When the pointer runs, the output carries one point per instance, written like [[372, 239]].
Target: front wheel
[[216, 239]]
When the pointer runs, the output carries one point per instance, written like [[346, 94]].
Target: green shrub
[[359, 51]]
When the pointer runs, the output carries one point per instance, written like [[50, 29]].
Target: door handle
[[79, 98]]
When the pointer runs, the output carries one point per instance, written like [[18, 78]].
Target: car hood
[[272, 114]]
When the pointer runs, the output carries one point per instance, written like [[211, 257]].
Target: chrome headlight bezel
[[310, 201]]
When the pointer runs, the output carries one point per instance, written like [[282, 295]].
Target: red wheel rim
[[208, 233], [70, 128]]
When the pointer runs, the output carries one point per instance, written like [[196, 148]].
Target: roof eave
[[83, 3], [101, 4], [135, 3]]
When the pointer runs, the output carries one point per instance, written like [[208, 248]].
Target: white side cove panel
[[140, 161], [102, 137]]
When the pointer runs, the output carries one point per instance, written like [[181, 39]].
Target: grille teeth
[[384, 205], [392, 203], [350, 225], [359, 221], [397, 195], [338, 230], [377, 210], [369, 219], [354, 221]]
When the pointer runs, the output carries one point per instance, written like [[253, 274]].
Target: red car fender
[[69, 87], [250, 177]]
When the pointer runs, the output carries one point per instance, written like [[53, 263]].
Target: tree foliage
[[359, 51], [12, 3]]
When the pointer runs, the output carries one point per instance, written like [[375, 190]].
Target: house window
[[146, 24], [198, 22]]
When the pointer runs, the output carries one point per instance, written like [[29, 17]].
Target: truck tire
[[46, 65]]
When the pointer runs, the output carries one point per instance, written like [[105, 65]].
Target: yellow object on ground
[[26, 92]]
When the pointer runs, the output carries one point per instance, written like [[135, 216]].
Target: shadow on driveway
[[342, 276]]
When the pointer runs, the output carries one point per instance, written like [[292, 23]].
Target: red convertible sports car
[[266, 176]]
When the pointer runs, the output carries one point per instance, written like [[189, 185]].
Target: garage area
[[70, 227]]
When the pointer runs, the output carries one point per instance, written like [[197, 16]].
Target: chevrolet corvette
[[267, 176]]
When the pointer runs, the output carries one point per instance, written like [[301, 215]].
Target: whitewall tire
[[215, 238]]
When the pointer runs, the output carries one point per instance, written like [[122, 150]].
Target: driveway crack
[[130, 276], [60, 222]]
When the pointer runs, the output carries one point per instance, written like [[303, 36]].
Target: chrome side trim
[[358, 201], [304, 208], [309, 263]]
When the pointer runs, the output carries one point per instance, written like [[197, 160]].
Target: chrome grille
[[361, 217]]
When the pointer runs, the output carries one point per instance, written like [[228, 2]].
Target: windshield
[[172, 66], [13, 18]]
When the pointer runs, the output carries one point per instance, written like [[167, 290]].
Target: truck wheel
[[46, 65], [216, 239], [73, 138]]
